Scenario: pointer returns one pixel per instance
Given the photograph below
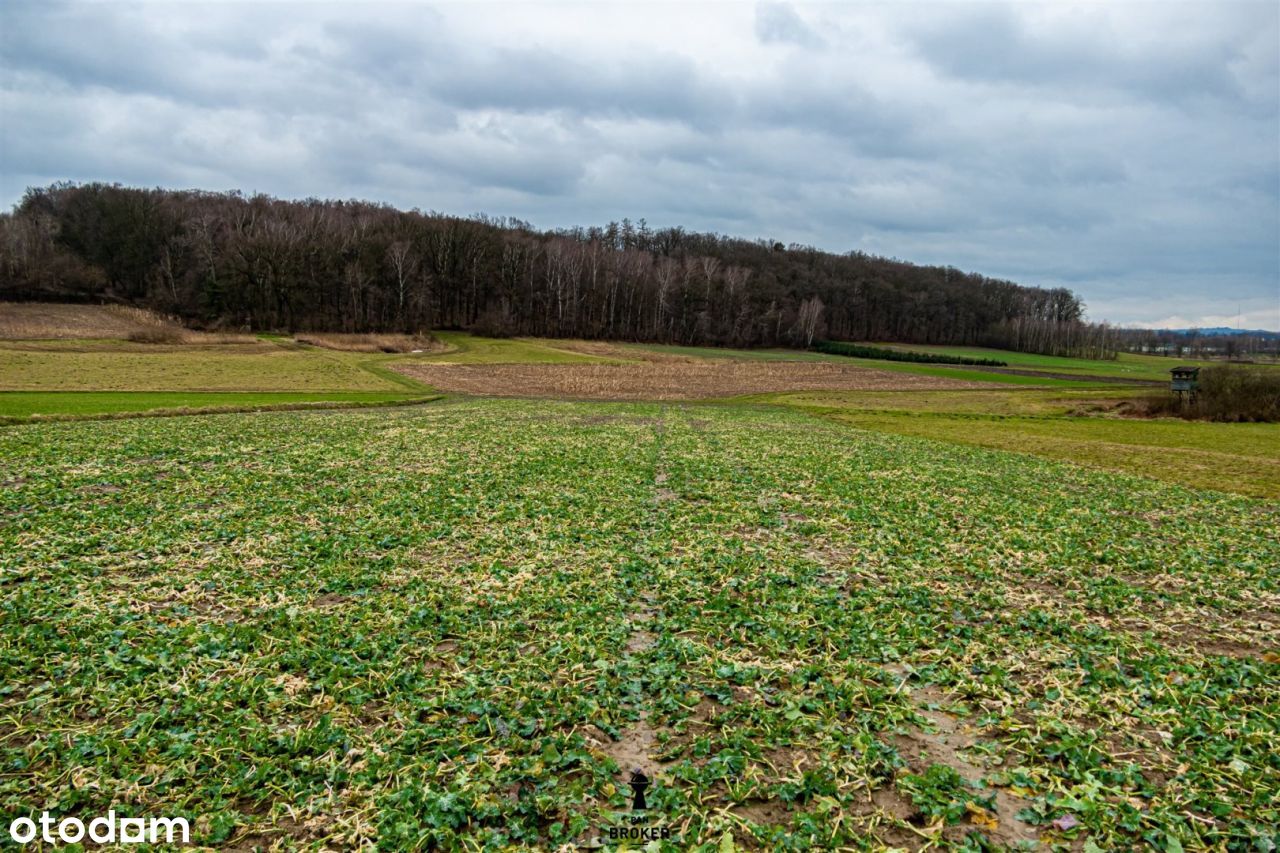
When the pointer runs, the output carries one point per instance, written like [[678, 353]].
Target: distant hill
[[1209, 332], [1223, 331]]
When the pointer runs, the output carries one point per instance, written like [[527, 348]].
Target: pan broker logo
[[101, 830]]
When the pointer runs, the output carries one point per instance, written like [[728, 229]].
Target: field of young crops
[[463, 625]]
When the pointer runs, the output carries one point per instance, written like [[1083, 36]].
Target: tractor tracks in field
[[635, 746]]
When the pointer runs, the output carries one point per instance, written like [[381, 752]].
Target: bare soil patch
[[634, 750], [667, 381], [281, 833], [639, 641], [763, 812], [330, 600], [946, 745], [100, 489]]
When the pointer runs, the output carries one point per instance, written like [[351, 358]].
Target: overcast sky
[[1128, 151]]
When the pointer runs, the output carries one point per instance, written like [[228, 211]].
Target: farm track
[[460, 624]]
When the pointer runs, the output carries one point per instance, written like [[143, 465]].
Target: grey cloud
[[845, 109], [533, 80], [52, 39], [778, 22], [1087, 59]]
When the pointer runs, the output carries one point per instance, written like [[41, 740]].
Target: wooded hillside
[[226, 260]]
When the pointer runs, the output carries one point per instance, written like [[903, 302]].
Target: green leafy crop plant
[[463, 624]]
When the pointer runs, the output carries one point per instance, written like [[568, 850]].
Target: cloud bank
[[1129, 152]]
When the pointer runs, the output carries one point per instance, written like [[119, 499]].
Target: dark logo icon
[[639, 784], [640, 825]]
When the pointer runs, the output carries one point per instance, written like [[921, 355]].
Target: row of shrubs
[[1227, 392], [863, 351]]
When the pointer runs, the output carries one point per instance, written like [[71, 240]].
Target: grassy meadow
[[63, 377], [901, 607], [1048, 377], [1239, 458], [1242, 458], [261, 366], [465, 348], [19, 406], [1126, 365]]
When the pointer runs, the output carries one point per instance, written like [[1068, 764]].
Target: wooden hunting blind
[[1185, 381]]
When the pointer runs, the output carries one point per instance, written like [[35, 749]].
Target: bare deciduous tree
[[404, 262], [808, 318]]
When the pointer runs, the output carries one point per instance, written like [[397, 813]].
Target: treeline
[[886, 354], [230, 261]]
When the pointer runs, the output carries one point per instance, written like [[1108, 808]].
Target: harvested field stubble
[[385, 342], [666, 380]]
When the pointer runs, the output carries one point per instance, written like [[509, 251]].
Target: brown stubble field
[[668, 380]]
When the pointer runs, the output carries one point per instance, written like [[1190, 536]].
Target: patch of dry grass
[[371, 342], [665, 380], [39, 320], [53, 321]]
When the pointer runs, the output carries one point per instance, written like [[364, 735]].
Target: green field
[[275, 370], [1241, 458], [90, 378], [1125, 366], [474, 349], [96, 378], [977, 374], [909, 619], [1053, 400], [20, 405], [268, 365], [962, 374], [461, 624]]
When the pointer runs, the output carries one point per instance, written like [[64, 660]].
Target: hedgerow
[[888, 354]]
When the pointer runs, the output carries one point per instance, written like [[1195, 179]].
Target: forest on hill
[[224, 260]]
